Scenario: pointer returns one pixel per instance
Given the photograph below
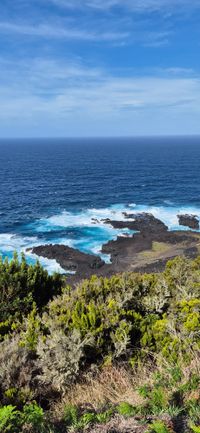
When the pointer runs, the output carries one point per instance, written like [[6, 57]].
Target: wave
[[168, 214], [50, 265], [85, 218], [10, 242], [168, 202], [85, 229]]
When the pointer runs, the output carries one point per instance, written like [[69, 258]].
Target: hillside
[[112, 355]]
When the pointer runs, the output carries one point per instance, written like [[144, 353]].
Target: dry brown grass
[[116, 384], [120, 425], [113, 384]]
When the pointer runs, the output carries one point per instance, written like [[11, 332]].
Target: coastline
[[147, 250]]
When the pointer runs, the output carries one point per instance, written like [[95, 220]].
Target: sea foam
[[84, 230]]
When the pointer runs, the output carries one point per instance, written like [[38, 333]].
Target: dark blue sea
[[58, 191]]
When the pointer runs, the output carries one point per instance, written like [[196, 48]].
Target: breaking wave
[[84, 230]]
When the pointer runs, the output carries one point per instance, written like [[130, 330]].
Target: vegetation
[[21, 287], [110, 349]]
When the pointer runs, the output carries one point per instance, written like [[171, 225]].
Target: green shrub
[[74, 420], [32, 330], [193, 409], [71, 416], [175, 411], [34, 415], [30, 419], [156, 400], [158, 427], [127, 318], [87, 419], [175, 374], [195, 429], [124, 313], [9, 419], [104, 417], [125, 409], [21, 285]]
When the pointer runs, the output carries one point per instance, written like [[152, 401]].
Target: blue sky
[[99, 67]]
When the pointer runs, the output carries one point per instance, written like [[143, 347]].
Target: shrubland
[[106, 354], [22, 286]]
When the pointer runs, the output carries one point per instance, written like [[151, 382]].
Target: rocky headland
[[148, 249]]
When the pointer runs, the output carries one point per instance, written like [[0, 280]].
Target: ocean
[[59, 190]]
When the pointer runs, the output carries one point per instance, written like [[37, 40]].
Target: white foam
[[82, 219], [97, 251], [90, 218], [10, 242], [168, 214], [168, 202], [50, 265], [132, 205]]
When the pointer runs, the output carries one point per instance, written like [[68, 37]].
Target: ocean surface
[[57, 191]]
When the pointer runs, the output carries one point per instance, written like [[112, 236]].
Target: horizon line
[[92, 137]]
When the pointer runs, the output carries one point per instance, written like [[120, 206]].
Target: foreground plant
[[128, 345], [31, 419], [158, 427]]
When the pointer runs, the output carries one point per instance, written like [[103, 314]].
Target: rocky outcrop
[[142, 222], [190, 221], [70, 259]]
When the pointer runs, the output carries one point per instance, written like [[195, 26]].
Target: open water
[[51, 191]]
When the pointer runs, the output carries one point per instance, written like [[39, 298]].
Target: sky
[[73, 68]]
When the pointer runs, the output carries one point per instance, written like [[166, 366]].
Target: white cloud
[[134, 5], [59, 32], [118, 29], [63, 94], [52, 91], [65, 31]]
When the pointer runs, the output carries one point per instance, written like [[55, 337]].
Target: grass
[[153, 398], [111, 385], [158, 248], [167, 392]]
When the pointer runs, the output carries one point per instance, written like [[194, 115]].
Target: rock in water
[[190, 221]]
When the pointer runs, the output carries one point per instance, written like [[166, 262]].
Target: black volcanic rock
[[143, 222], [126, 253], [190, 221], [70, 259]]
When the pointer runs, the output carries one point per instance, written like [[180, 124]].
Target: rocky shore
[[73, 261], [148, 249]]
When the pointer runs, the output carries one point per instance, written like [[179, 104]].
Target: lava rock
[[190, 221]]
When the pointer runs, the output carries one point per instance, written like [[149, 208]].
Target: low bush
[[110, 329]]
